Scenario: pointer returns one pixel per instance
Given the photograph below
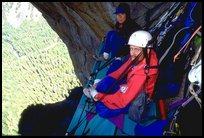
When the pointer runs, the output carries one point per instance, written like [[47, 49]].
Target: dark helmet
[[123, 8]]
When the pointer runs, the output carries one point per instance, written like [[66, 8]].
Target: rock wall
[[82, 25]]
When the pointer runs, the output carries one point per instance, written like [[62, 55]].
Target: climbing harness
[[90, 101], [165, 24]]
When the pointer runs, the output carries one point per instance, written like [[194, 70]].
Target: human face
[[134, 51], [121, 17]]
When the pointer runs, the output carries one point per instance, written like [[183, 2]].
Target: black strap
[[124, 73], [103, 66]]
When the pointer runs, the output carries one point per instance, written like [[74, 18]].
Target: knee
[[103, 115], [102, 110], [111, 33]]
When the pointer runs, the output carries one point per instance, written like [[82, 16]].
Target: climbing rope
[[187, 43]]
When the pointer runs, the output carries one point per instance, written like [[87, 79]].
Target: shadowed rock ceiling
[[82, 25]]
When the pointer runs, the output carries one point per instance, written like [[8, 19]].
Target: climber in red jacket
[[138, 77]]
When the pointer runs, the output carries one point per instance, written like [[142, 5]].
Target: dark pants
[[113, 43]]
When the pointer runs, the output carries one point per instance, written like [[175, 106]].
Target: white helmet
[[140, 38]]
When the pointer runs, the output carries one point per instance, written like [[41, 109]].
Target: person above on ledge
[[118, 37]]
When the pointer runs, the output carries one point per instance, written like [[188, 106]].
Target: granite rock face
[[82, 25]]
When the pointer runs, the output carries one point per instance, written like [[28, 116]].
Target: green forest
[[36, 69]]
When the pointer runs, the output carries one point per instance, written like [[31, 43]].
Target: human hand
[[95, 57], [90, 92], [93, 93], [86, 92], [92, 86], [98, 58]]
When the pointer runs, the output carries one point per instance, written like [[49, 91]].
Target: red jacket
[[136, 79]]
